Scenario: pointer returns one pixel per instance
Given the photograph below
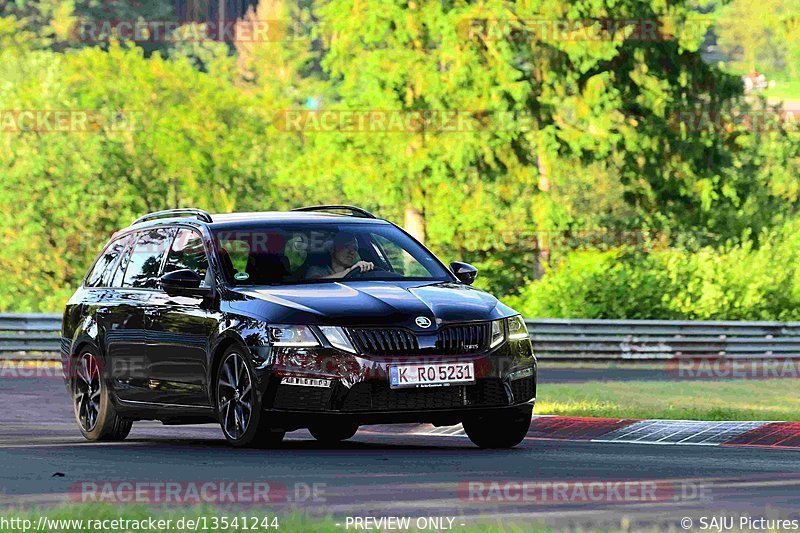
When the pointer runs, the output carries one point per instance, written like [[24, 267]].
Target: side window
[[233, 254], [145, 261], [104, 266], [187, 252], [239, 251], [122, 264]]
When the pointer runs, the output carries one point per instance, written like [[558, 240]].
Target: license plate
[[433, 375]]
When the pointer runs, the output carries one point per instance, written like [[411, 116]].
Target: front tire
[[504, 429], [97, 419], [238, 407]]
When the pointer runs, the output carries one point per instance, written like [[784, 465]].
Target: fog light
[[520, 374]]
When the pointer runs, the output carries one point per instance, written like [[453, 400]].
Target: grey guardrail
[[553, 339], [586, 339], [29, 333]]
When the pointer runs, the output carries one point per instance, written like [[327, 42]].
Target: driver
[[344, 259]]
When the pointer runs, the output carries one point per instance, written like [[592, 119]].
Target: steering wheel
[[374, 273], [353, 273]]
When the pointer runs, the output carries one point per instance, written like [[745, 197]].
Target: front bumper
[[357, 387]]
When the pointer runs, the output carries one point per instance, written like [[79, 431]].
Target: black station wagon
[[324, 318]]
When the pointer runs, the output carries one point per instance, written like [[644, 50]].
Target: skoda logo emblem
[[423, 322]]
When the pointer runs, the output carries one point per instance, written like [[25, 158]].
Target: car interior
[[280, 258]]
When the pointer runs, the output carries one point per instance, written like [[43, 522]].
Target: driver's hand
[[362, 266]]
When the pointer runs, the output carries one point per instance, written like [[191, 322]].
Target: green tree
[[163, 135], [570, 105], [761, 35]]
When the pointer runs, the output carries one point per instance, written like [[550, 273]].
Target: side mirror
[[182, 282], [465, 272]]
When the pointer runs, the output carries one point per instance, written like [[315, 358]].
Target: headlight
[[296, 336], [497, 333], [337, 338], [517, 330]]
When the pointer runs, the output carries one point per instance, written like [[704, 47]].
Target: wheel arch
[[224, 343], [81, 343], [77, 348]]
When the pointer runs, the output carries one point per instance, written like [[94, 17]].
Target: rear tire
[[333, 433], [95, 413], [504, 429], [238, 407]]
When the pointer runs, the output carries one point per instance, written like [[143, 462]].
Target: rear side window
[[145, 261], [122, 264], [187, 252], [100, 276]]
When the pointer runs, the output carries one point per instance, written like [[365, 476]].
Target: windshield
[[314, 253]]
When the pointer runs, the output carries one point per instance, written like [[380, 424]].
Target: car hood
[[369, 303]]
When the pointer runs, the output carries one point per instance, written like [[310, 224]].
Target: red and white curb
[[628, 430]]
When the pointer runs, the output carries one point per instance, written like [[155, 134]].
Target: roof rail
[[352, 210], [199, 213]]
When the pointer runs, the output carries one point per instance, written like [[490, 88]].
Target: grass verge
[[684, 400], [784, 90]]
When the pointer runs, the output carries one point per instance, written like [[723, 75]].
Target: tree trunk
[[415, 223], [542, 253]]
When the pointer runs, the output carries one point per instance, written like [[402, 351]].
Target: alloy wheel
[[87, 391], [235, 396]]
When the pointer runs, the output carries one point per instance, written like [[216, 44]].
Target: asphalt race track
[[381, 473]]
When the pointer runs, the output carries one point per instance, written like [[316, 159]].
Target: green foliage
[[569, 135], [597, 285], [166, 135], [736, 283], [762, 35]]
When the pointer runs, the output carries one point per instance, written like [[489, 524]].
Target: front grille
[[380, 397], [299, 398], [489, 393], [384, 341], [451, 340], [414, 399], [523, 389], [461, 339]]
